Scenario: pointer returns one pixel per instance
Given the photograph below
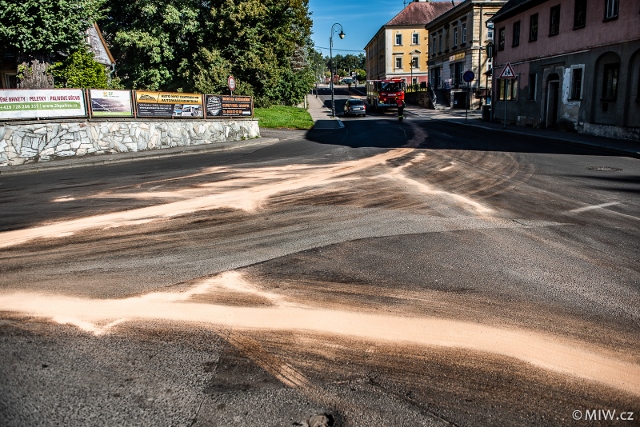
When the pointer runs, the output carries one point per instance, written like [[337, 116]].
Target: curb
[[117, 158]]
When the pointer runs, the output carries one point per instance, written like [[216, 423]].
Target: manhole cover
[[604, 169]]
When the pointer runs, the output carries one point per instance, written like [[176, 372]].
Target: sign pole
[[506, 90], [231, 82], [506, 74], [468, 77], [466, 111]]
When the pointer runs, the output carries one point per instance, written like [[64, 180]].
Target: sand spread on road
[[242, 189], [545, 351]]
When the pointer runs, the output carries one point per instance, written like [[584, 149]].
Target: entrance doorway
[[553, 93]]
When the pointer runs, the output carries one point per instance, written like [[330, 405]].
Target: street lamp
[[341, 35]]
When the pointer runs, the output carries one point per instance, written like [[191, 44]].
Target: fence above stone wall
[[22, 143]]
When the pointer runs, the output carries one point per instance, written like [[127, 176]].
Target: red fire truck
[[385, 93]]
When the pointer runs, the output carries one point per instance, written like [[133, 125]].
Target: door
[[553, 89]]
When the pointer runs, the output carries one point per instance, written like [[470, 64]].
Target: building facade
[[577, 64], [399, 49], [459, 40]]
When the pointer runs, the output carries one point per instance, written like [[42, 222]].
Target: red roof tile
[[420, 13]]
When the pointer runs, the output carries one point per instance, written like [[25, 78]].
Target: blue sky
[[360, 20]]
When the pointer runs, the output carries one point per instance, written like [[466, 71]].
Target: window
[[464, 33], [576, 82], [533, 28], [455, 36], [610, 82], [10, 80], [611, 9], [415, 38], [439, 42], [532, 88], [554, 21], [501, 32], [414, 62], [580, 14], [516, 34], [433, 45], [398, 62], [398, 39]]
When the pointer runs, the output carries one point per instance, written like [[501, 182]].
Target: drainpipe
[[480, 54]]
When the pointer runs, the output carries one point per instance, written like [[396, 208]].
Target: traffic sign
[[232, 83], [507, 72], [468, 76]]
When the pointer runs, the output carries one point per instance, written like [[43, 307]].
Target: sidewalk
[[321, 115], [474, 118]]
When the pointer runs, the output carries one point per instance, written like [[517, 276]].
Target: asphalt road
[[385, 274]]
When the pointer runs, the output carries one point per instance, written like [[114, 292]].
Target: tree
[[42, 27], [193, 45], [80, 70], [39, 30]]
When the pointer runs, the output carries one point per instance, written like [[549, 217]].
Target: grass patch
[[281, 117]]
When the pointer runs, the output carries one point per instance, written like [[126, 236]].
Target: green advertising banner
[[110, 103], [41, 103]]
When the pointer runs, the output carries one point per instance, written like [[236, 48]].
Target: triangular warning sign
[[507, 72]]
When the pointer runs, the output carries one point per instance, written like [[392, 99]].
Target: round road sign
[[468, 76], [232, 83]]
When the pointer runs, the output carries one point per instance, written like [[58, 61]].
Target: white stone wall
[[40, 142]]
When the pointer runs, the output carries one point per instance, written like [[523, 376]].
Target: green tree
[[193, 45], [43, 27], [37, 31], [80, 70]]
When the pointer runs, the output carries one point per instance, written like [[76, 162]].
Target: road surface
[[418, 273]]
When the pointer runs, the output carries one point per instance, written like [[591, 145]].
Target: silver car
[[355, 107]]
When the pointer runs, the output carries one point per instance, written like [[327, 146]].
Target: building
[[459, 43], [577, 64], [399, 49]]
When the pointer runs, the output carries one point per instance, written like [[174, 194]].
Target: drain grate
[[604, 169]]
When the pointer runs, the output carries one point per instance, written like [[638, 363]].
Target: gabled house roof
[[99, 46], [419, 13]]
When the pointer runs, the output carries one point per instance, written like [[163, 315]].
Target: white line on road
[[592, 207]]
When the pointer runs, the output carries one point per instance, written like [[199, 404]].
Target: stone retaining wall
[[22, 143]]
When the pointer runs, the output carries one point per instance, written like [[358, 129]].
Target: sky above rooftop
[[360, 21]]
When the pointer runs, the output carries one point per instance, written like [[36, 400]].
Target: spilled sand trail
[[242, 189], [544, 351]]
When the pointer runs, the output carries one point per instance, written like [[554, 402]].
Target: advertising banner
[[229, 106], [110, 103], [41, 103], [168, 104]]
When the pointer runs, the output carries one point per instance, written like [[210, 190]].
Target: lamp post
[[341, 35]]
